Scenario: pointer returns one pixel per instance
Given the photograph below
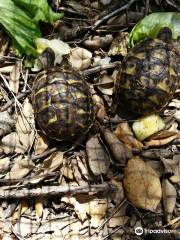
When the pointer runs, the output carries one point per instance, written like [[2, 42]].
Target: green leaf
[[40, 10], [19, 26], [20, 19], [149, 26]]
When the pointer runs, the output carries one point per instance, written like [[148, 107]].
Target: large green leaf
[[21, 22], [151, 25], [39, 10]]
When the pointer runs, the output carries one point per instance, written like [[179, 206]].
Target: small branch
[[99, 68], [112, 214], [112, 14], [173, 5], [53, 190], [44, 154], [11, 102], [28, 180], [105, 18]]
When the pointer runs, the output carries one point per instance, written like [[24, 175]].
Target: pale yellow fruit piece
[[147, 126]]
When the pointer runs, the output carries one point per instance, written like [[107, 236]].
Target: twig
[[11, 102], [112, 233], [105, 18], [44, 154], [147, 7], [53, 190], [66, 10], [100, 68], [116, 210], [27, 180], [112, 14], [173, 5]]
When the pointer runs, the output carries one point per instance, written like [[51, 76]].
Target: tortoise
[[149, 75], [62, 101]]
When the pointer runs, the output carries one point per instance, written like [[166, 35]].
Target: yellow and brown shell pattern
[[149, 76], [62, 104]]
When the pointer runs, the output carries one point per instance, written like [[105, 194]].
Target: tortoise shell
[[62, 104], [149, 75]]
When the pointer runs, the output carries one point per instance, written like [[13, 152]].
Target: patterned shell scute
[[62, 104], [149, 76]]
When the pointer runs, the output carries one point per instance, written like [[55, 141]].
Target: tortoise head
[[165, 34], [47, 58]]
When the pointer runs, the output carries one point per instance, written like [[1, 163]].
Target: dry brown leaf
[[174, 223], [172, 166], [81, 180], [17, 143], [79, 208], [125, 134], [162, 134], [15, 216], [7, 237], [97, 210], [25, 227], [105, 84], [174, 127], [80, 58], [9, 142], [99, 107], [118, 195], [97, 42], [156, 153], [119, 45], [40, 145], [4, 164], [78, 7], [57, 223], [21, 140], [120, 152], [142, 185], [177, 116], [14, 77], [161, 142], [6, 123], [105, 2], [83, 168], [54, 161], [119, 218], [98, 61], [175, 179], [39, 207], [7, 69], [25, 122], [175, 103], [25, 130], [20, 168], [24, 205], [169, 198], [157, 166], [84, 197], [25, 142], [75, 230], [98, 157], [67, 172], [50, 164]]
